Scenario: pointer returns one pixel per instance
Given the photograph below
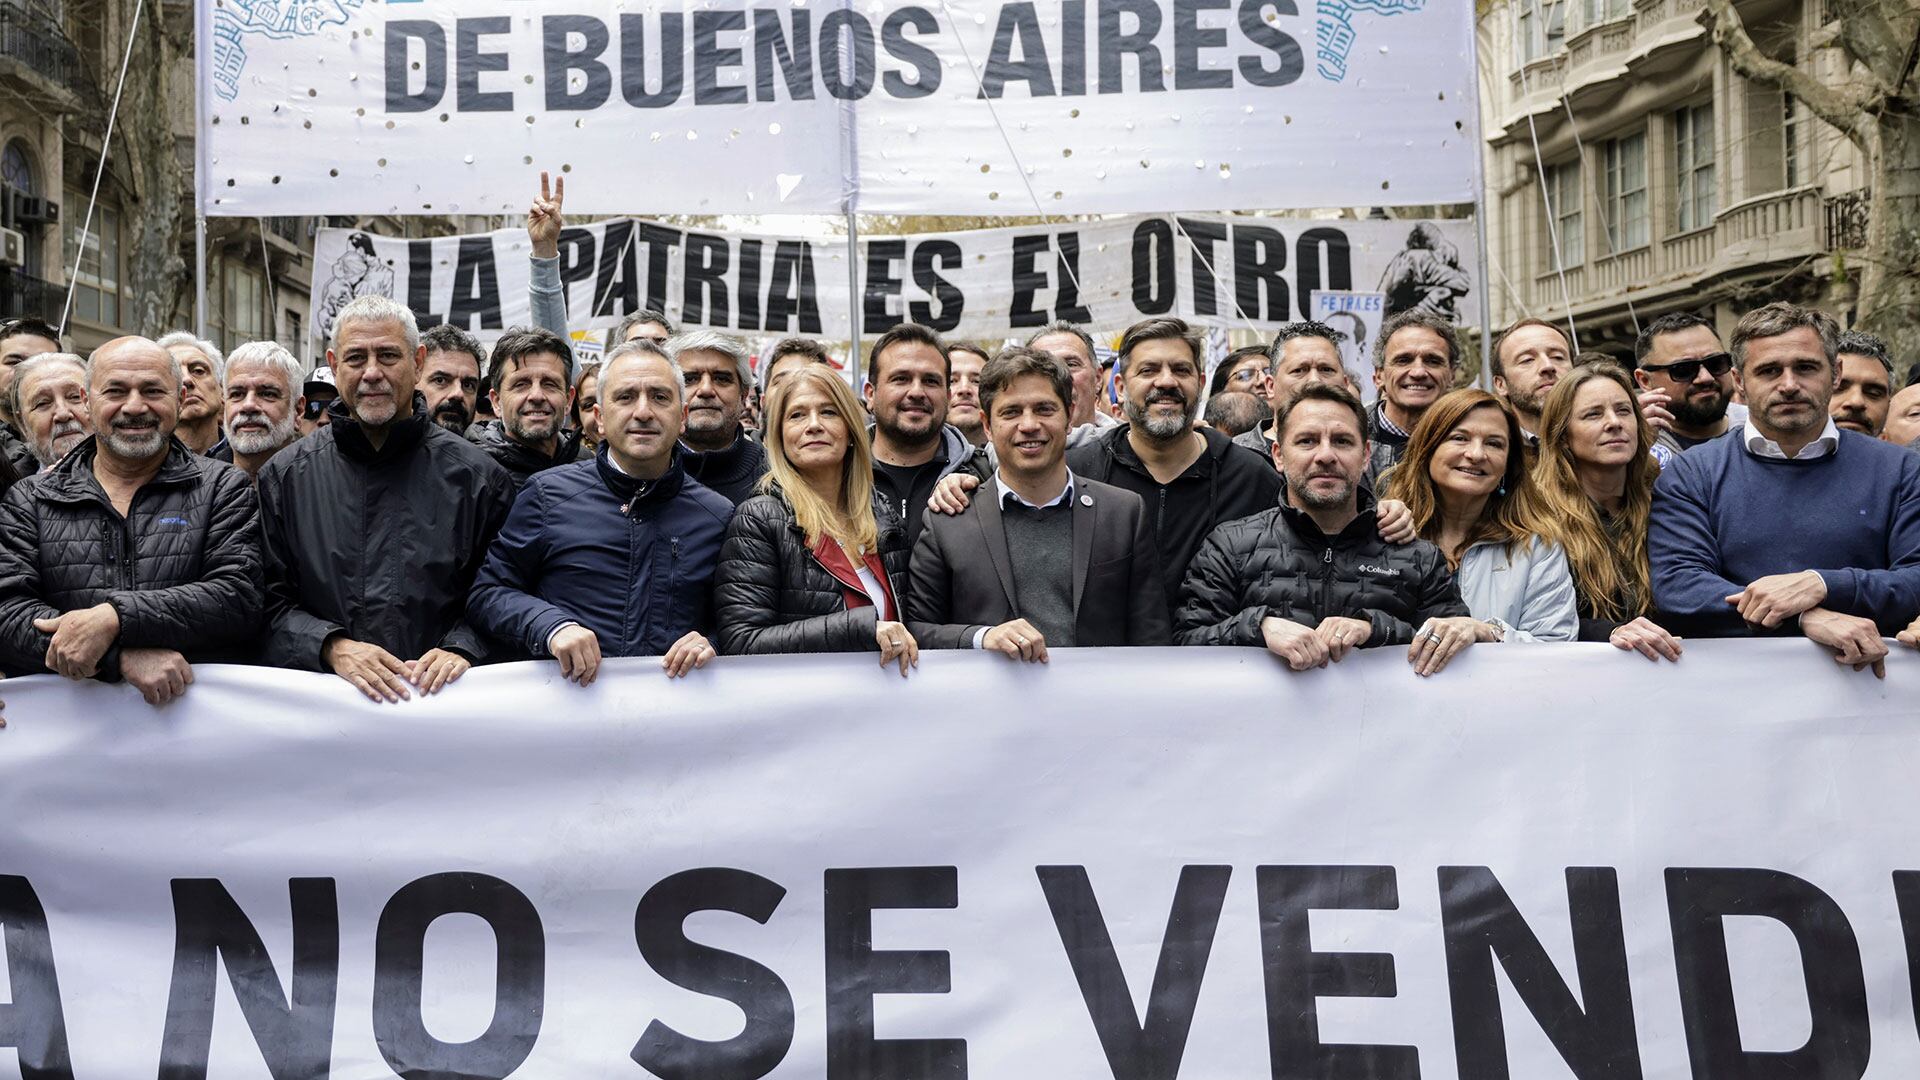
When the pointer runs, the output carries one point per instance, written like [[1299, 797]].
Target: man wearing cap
[[318, 392]]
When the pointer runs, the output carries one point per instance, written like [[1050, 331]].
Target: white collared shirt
[[1762, 447], [1004, 492]]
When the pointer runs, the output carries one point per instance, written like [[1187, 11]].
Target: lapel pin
[[1086, 500]]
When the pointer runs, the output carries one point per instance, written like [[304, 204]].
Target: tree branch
[[1849, 112]]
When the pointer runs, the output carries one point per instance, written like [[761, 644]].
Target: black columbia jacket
[[182, 569], [380, 545], [1279, 563]]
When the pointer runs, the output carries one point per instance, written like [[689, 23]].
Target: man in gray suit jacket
[[1041, 557]]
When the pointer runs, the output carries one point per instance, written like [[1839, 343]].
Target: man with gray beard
[[1192, 479], [49, 399], [263, 407], [132, 557]]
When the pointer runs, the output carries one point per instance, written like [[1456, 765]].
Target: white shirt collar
[[1762, 447], [1006, 492]]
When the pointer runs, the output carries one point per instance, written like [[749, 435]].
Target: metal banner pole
[[853, 294], [201, 53], [1480, 223]]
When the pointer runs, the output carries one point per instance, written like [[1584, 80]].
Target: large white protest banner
[[1547, 862], [890, 106], [1226, 269]]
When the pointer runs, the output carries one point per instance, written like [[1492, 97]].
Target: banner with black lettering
[[1229, 269], [895, 106], [1546, 862]]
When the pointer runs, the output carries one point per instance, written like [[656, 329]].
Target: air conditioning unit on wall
[[13, 248]]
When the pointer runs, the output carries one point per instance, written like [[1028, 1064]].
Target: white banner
[[1217, 268], [956, 106], [1123, 863]]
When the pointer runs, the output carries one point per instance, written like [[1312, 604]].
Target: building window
[[96, 291], [1793, 117], [1542, 28], [1695, 193], [1566, 206], [1599, 11], [246, 306], [1624, 200]]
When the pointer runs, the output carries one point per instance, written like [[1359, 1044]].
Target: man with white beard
[[133, 556], [263, 405], [49, 399]]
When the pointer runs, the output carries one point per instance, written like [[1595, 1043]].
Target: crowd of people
[[169, 506]]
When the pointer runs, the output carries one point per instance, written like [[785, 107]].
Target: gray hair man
[[375, 525], [718, 369], [131, 557], [49, 398], [203, 372], [263, 404]]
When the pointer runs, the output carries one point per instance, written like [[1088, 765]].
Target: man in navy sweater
[[613, 555], [1790, 520]]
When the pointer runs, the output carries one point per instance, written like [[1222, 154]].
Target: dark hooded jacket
[[182, 569], [772, 595], [1225, 482], [381, 545], [733, 472], [520, 460], [1279, 563], [631, 560]]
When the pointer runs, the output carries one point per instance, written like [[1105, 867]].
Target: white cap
[[322, 376]]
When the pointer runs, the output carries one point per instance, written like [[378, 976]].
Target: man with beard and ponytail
[[203, 372], [375, 525], [49, 397], [1791, 523], [1685, 373], [131, 557], [532, 393], [720, 453], [614, 556], [263, 406], [451, 379], [1312, 579]]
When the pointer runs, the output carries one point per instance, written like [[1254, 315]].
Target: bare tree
[[1877, 107]]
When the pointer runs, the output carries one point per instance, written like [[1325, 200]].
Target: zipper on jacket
[[1326, 580]]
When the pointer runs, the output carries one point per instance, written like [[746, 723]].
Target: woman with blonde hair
[[1594, 486], [814, 564], [1464, 478]]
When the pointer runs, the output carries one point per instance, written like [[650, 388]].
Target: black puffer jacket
[[522, 461], [381, 545], [182, 569], [771, 595], [16, 451], [1279, 563]]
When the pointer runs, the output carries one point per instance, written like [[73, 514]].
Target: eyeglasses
[[315, 408], [1717, 364]]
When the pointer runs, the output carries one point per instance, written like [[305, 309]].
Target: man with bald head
[[49, 396], [131, 557], [614, 556], [376, 524]]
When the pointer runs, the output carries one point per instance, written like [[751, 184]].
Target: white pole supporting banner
[[1546, 862], [1100, 106]]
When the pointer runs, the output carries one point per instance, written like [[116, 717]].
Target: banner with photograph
[[1224, 269], [897, 107], [1549, 861]]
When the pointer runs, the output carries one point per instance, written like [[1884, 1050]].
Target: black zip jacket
[[182, 569], [522, 461], [733, 472], [1279, 563], [380, 545], [1225, 483]]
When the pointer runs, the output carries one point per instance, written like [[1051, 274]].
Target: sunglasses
[[315, 408], [1686, 371]]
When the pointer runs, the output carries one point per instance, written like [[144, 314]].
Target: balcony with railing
[[22, 295], [1767, 230], [37, 59]]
